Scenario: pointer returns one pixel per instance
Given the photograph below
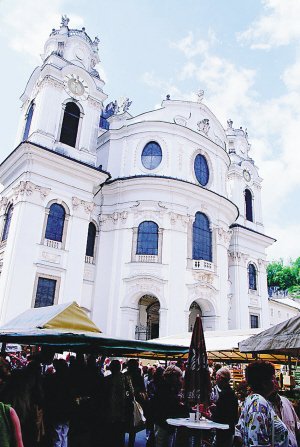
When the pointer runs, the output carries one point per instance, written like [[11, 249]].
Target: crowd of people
[[88, 401]]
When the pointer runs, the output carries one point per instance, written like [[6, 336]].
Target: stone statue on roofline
[[65, 20]]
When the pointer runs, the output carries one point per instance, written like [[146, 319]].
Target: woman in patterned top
[[258, 424]]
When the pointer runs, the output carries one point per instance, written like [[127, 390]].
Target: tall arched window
[[252, 276], [248, 205], [7, 220], [147, 239], [55, 223], [90, 244], [202, 241], [29, 116], [69, 128]]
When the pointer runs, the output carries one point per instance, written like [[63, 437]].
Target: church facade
[[145, 221]]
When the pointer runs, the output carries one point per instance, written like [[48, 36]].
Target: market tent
[[283, 338], [66, 327], [222, 346], [60, 317]]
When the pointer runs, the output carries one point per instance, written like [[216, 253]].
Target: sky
[[245, 55]]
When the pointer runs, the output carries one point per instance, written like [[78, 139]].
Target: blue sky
[[244, 54]]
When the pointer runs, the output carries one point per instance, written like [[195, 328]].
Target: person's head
[[260, 377], [173, 376], [115, 366], [223, 377]]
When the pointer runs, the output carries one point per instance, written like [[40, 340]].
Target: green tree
[[285, 277]]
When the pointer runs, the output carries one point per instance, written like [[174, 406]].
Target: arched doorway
[[194, 310], [148, 318]]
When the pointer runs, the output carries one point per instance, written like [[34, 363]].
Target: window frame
[[253, 289], [148, 241], [6, 224], [81, 115], [142, 156], [56, 244], [255, 316], [146, 258], [198, 179], [46, 276], [209, 231], [28, 121], [89, 258], [248, 203]]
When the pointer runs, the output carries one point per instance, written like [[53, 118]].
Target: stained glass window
[[151, 155], [55, 222], [90, 244], [202, 241], [248, 205], [7, 218], [201, 169], [28, 121], [252, 277], [45, 292], [69, 128], [147, 240]]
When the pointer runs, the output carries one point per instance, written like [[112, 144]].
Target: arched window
[[7, 220], [151, 155], [147, 239], [69, 128], [202, 245], [201, 169], [55, 223], [252, 277], [29, 116], [248, 205], [90, 244]]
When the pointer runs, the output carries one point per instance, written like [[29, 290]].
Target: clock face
[[76, 87], [247, 175]]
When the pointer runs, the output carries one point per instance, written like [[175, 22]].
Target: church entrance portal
[[148, 319]]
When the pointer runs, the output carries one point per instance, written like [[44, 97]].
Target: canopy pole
[[290, 364]]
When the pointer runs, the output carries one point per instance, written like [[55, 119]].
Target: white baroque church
[[145, 221]]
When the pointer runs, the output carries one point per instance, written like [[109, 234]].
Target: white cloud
[[192, 48], [27, 24], [291, 76], [279, 25]]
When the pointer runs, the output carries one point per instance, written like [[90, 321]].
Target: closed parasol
[[197, 376]]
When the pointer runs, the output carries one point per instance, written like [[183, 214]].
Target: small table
[[203, 424]]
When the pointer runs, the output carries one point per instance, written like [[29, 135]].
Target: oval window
[[201, 169], [151, 155]]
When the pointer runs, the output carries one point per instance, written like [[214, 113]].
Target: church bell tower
[[63, 99]]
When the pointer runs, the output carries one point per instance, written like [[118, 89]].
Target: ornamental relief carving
[[203, 277], [87, 206], [238, 256], [178, 219], [51, 81], [223, 235], [110, 220], [27, 188], [50, 257], [94, 103], [3, 202]]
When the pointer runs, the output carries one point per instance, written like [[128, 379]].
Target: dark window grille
[[90, 244], [201, 169], [147, 240], [28, 121], [69, 128], [254, 321], [55, 222], [202, 241], [151, 155], [252, 277], [45, 292], [248, 204], [8, 217]]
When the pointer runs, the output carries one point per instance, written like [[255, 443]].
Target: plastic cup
[[192, 417]]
